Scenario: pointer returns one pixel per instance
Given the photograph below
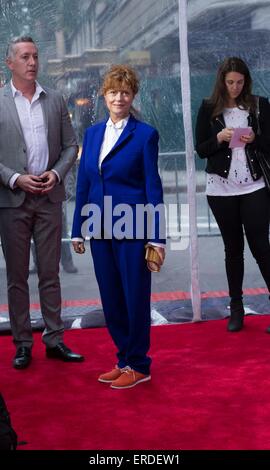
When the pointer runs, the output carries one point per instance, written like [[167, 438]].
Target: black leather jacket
[[219, 156]]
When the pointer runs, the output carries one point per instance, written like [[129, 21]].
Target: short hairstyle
[[12, 43], [118, 77]]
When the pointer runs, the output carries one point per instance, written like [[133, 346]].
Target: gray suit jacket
[[61, 141]]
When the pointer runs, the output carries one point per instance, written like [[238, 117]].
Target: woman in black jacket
[[235, 190]]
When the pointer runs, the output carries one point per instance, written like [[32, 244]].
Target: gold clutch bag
[[152, 256]]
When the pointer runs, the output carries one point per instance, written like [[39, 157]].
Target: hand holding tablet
[[236, 138]]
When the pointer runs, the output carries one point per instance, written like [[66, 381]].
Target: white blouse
[[239, 180]]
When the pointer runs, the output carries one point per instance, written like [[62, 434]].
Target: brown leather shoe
[[129, 378], [108, 377]]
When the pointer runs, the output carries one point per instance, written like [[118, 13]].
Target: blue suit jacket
[[129, 173]]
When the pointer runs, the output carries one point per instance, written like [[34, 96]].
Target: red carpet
[[210, 390]]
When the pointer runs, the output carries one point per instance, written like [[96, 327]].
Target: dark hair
[[218, 99], [11, 49]]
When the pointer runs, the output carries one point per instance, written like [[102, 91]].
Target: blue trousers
[[125, 287]]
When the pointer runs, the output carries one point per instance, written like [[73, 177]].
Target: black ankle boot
[[236, 321]]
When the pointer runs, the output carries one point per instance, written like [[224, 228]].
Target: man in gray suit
[[37, 148]]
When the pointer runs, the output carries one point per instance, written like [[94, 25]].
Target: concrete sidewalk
[[174, 275]]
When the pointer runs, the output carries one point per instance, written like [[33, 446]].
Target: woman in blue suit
[[118, 175]]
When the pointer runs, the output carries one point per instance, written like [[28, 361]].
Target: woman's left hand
[[247, 139], [78, 247], [161, 253]]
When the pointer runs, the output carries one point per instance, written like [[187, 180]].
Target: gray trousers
[[41, 219]]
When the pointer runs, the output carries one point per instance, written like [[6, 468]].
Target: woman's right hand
[[78, 247], [225, 135]]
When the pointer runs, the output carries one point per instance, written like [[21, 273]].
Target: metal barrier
[[172, 169]]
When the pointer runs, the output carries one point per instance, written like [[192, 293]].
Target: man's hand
[[29, 183], [49, 180]]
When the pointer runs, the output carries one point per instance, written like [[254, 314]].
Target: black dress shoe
[[22, 357], [61, 351]]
